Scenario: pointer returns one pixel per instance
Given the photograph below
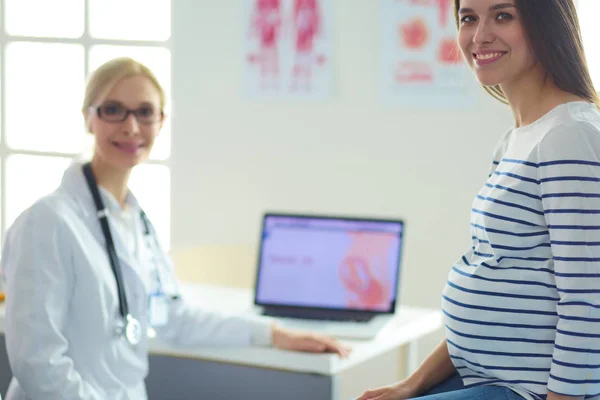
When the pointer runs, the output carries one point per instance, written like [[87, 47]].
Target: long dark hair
[[552, 28]]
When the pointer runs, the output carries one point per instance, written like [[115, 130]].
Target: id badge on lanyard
[[158, 308]]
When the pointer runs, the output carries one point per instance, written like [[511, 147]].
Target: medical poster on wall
[[287, 52], [421, 63]]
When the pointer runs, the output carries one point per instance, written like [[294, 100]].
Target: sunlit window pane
[[590, 31], [158, 59], [44, 89], [130, 19], [151, 185], [28, 178], [44, 18]]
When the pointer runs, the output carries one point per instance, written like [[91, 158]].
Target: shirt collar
[[74, 183], [113, 206]]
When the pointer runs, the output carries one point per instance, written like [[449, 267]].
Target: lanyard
[[150, 233], [150, 248], [132, 326]]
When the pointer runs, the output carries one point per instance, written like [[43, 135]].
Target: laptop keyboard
[[319, 316]]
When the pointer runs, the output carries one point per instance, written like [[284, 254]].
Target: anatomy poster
[[288, 49], [421, 63]]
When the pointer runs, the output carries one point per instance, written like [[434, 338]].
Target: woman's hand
[[287, 339], [400, 391]]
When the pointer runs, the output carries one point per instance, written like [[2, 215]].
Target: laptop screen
[[331, 263]]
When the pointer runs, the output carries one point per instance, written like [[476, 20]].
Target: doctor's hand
[[286, 339], [400, 391]]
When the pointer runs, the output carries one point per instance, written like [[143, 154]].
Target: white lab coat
[[62, 304]]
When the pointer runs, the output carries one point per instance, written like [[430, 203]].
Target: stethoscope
[[129, 326]]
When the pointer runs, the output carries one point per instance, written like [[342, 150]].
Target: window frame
[[87, 41]]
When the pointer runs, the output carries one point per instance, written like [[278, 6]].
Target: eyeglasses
[[115, 113]]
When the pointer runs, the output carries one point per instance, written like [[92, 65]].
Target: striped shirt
[[522, 306]]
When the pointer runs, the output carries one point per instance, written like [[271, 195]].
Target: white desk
[[196, 373], [405, 329]]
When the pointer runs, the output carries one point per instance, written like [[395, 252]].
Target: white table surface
[[408, 325]]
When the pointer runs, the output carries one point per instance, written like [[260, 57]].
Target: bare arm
[[554, 396], [436, 368]]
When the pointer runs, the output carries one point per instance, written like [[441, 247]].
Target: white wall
[[233, 159]]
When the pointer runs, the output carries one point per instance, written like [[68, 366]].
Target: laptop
[[330, 274]]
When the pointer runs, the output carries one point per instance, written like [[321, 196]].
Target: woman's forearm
[[436, 368]]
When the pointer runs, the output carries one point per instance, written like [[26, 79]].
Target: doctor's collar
[[113, 205], [74, 183]]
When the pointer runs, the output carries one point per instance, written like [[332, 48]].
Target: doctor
[[85, 277]]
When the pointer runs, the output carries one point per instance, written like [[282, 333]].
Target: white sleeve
[[569, 178], [38, 281], [190, 325]]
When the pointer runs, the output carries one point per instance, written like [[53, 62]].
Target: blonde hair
[[106, 77]]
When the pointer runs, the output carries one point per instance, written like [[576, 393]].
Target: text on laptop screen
[[329, 263]]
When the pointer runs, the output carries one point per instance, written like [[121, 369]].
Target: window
[[47, 51], [588, 11]]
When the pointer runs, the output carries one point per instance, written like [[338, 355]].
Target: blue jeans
[[453, 389]]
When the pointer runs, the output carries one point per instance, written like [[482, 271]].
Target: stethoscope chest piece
[[133, 330]]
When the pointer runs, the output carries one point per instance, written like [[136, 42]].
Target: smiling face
[[124, 142], [492, 40]]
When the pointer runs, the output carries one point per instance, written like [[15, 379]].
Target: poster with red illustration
[[287, 52], [421, 63]]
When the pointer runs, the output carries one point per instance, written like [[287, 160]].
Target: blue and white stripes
[[522, 306]]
